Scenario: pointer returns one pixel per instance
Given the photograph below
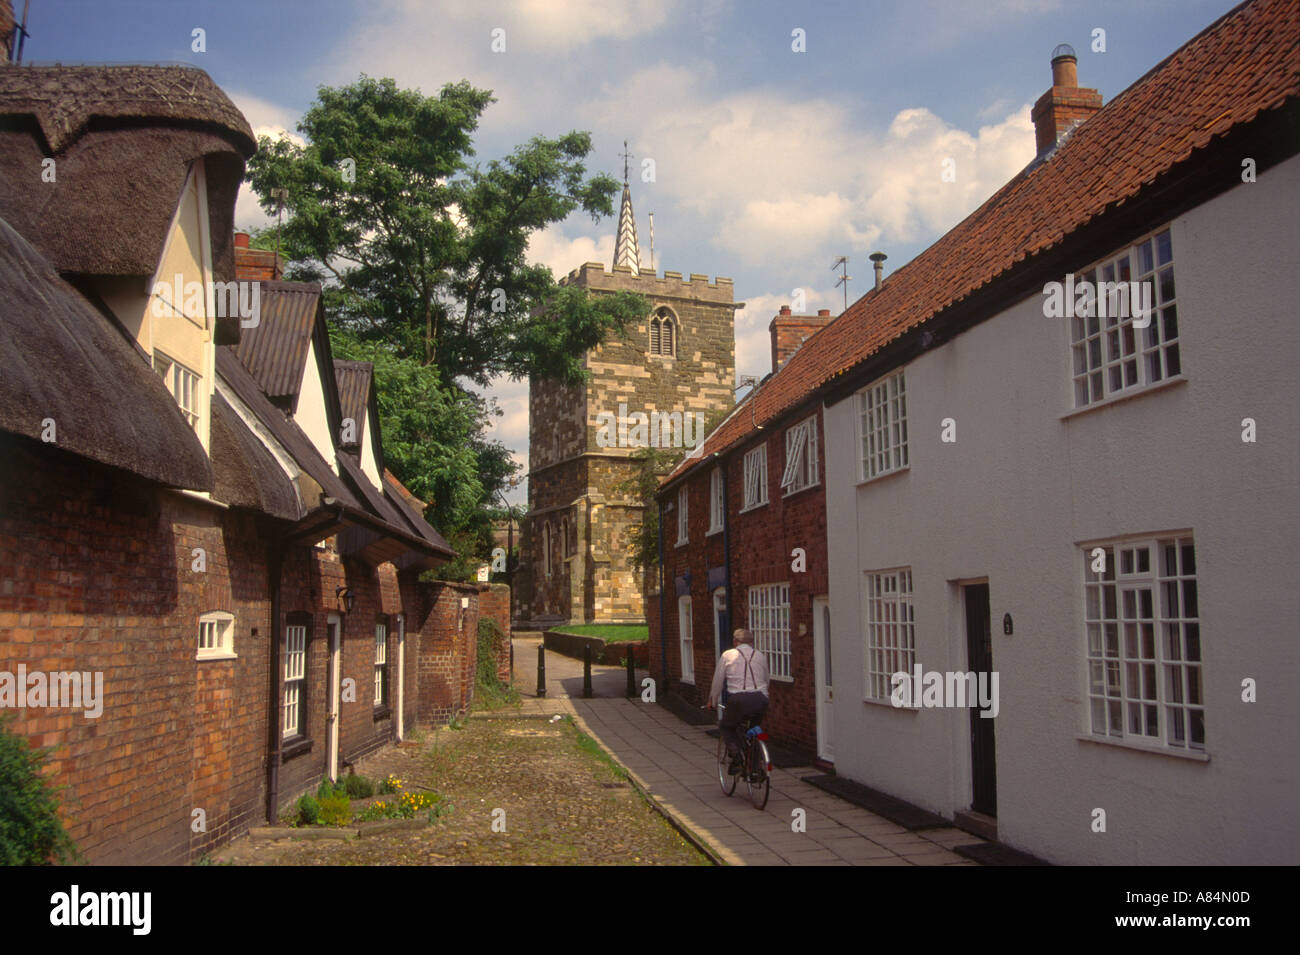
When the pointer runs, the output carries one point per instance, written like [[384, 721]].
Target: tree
[[424, 251]]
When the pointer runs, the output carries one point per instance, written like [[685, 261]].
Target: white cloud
[[551, 247]]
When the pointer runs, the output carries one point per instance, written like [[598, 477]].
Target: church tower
[[575, 563]]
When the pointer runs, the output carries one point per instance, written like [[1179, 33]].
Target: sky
[[782, 134]]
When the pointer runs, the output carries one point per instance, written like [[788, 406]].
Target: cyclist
[[742, 672]]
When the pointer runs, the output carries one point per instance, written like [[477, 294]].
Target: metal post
[[631, 671], [586, 671], [541, 670]]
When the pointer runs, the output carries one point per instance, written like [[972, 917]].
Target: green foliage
[[427, 251], [335, 810], [405, 806], [31, 832], [490, 693], [327, 788], [357, 787], [389, 784], [308, 810]]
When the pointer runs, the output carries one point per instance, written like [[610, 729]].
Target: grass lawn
[[611, 632]]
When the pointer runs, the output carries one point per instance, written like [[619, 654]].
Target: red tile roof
[[1245, 63]]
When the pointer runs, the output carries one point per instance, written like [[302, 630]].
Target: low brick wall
[[607, 654]]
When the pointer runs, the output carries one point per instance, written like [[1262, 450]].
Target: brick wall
[[760, 544], [98, 573], [494, 603]]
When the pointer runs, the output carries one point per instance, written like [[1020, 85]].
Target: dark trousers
[[739, 707]]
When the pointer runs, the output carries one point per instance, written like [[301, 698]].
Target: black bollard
[[631, 672], [541, 670], [586, 671]]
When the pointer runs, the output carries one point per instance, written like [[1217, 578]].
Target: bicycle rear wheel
[[725, 779], [757, 778]]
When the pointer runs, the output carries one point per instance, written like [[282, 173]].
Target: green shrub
[[389, 784], [327, 789], [308, 810], [335, 810], [358, 787], [31, 832], [489, 692]]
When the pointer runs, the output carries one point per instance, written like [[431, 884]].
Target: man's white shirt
[[732, 668]]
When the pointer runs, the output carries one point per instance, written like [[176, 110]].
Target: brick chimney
[[255, 265], [789, 331], [1065, 105]]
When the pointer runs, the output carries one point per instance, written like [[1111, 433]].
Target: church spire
[[625, 247]]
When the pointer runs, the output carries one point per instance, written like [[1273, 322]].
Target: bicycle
[[755, 763]]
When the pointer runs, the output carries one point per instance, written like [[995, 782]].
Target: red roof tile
[[1245, 63]]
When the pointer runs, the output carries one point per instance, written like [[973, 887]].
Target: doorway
[[821, 609], [334, 627], [979, 651]]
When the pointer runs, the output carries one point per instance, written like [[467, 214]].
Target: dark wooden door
[[979, 647]]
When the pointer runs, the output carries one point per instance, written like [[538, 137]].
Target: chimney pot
[[1065, 67], [878, 263], [785, 309], [823, 312], [1065, 105], [241, 240]]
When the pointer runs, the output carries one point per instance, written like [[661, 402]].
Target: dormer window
[[182, 383], [663, 334]]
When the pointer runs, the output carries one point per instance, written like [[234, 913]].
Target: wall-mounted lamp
[[345, 597]]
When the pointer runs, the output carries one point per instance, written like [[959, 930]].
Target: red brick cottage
[[744, 544], [199, 544]]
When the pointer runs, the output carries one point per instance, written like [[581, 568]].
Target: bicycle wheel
[[725, 779], [757, 778]]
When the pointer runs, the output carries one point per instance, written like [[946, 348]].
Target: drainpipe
[[275, 742], [726, 557], [663, 582]]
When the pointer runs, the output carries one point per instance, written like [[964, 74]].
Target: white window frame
[[890, 632], [295, 679], [801, 457], [1143, 650], [1110, 357], [755, 478], [686, 639], [381, 664], [717, 503], [769, 621], [184, 384], [216, 639], [683, 518], [882, 427]]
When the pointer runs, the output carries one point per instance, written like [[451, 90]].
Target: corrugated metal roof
[[275, 349]]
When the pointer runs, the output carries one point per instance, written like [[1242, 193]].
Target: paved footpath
[[675, 763]]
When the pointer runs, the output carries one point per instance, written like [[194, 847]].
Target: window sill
[[682, 543], [713, 531], [773, 678], [889, 705], [205, 657], [382, 713], [789, 494], [1192, 755], [1128, 396], [887, 474], [296, 746], [753, 507], [687, 681]]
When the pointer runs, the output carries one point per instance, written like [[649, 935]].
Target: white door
[[401, 673], [334, 625], [822, 663]]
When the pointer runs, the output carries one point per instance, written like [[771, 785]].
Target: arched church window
[[663, 334]]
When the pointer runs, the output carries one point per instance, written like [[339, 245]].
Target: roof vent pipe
[[878, 263]]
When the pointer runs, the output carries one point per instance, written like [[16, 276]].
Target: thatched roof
[[61, 359], [123, 139], [247, 474], [65, 100]]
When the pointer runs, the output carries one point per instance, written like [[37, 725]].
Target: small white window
[[295, 679], [684, 628], [717, 503], [756, 477], [381, 664], [800, 456], [216, 636], [1114, 348], [182, 383], [1143, 641], [683, 526], [769, 619], [882, 427], [891, 631]]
